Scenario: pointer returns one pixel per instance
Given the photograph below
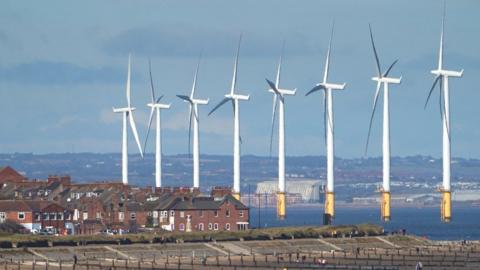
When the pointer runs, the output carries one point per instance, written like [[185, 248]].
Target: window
[[215, 213], [60, 216], [182, 214], [172, 213], [200, 226], [37, 216], [121, 216], [200, 213], [53, 216], [227, 226], [155, 214], [227, 213], [3, 216], [21, 215], [210, 226], [240, 213], [45, 216], [85, 215], [133, 216], [98, 215], [215, 226], [181, 227]]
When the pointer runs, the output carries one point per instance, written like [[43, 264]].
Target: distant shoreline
[[369, 206]]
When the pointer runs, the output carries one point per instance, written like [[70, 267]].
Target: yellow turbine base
[[385, 206], [330, 203], [236, 195], [446, 207], [281, 205]]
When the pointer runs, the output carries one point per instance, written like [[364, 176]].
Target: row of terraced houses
[[71, 208]]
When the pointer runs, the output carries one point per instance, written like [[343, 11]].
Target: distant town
[[414, 179]]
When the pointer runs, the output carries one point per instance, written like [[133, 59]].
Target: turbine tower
[[441, 76], [234, 98], [382, 78], [327, 88], [155, 107], [127, 113], [194, 114], [279, 94]]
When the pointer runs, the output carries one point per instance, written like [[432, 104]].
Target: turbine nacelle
[[448, 73], [238, 97], [387, 80], [332, 86], [158, 106], [284, 92], [123, 110], [199, 101]]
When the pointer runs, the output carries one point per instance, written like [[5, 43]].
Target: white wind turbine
[[279, 95], [127, 113], [194, 114], [382, 78], [328, 116], [234, 98], [156, 106], [441, 76]]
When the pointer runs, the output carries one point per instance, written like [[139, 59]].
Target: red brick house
[[8, 174], [35, 215], [208, 214]]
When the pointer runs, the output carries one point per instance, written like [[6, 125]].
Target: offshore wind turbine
[[441, 77], [234, 98], [279, 97], [127, 112], [155, 107], [382, 78], [193, 117], [329, 212]]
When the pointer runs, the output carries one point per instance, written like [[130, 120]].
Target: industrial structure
[[327, 88], [441, 77], [382, 78], [279, 97], [234, 98]]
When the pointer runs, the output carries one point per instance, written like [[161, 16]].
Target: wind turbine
[[127, 113], [155, 106], [194, 114], [441, 76], [234, 98], [382, 78], [279, 94], [327, 88]]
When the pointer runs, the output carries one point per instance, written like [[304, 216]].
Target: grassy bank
[[26, 240]]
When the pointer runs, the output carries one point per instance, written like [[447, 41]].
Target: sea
[[421, 221]]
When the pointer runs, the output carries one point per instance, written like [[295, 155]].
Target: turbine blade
[[135, 133], [195, 77], [431, 89], [128, 81], [274, 113], [274, 88], [148, 129], [279, 68], [390, 68], [443, 112], [327, 61], [160, 98], [375, 99], [314, 89], [151, 80], [235, 67], [190, 131], [440, 51], [225, 100], [186, 98], [379, 71], [325, 118]]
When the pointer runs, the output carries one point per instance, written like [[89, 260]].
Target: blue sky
[[63, 67]]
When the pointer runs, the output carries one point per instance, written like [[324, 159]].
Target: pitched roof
[[25, 205]]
